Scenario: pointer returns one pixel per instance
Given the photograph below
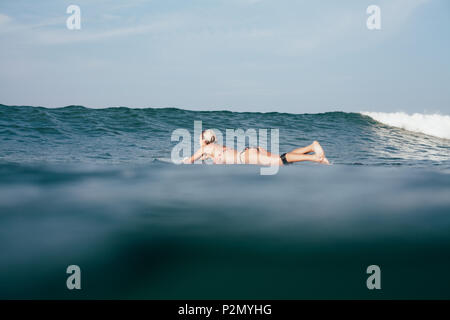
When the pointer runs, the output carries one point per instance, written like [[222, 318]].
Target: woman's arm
[[200, 153]]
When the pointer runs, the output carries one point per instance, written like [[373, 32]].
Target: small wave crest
[[431, 124]]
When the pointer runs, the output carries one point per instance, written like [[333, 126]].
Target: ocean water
[[94, 188]]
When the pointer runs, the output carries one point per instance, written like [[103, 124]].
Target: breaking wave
[[431, 124]]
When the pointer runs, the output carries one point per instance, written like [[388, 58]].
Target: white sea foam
[[432, 124]]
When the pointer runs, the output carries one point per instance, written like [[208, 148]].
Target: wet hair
[[208, 136]]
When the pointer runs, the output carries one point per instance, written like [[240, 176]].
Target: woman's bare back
[[221, 154]]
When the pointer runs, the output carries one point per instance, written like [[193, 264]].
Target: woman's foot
[[318, 150]]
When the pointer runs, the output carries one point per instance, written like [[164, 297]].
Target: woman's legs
[[297, 157], [263, 157], [304, 150], [300, 154]]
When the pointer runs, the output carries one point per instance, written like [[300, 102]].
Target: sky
[[238, 55]]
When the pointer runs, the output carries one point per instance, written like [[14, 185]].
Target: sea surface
[[96, 188]]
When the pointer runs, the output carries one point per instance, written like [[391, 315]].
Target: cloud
[[4, 19], [62, 37], [396, 13], [291, 36], [53, 31], [11, 26]]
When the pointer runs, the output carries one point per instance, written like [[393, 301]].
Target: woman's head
[[207, 137]]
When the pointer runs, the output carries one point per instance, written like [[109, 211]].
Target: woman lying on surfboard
[[223, 155]]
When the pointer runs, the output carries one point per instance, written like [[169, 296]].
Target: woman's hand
[[187, 160]]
